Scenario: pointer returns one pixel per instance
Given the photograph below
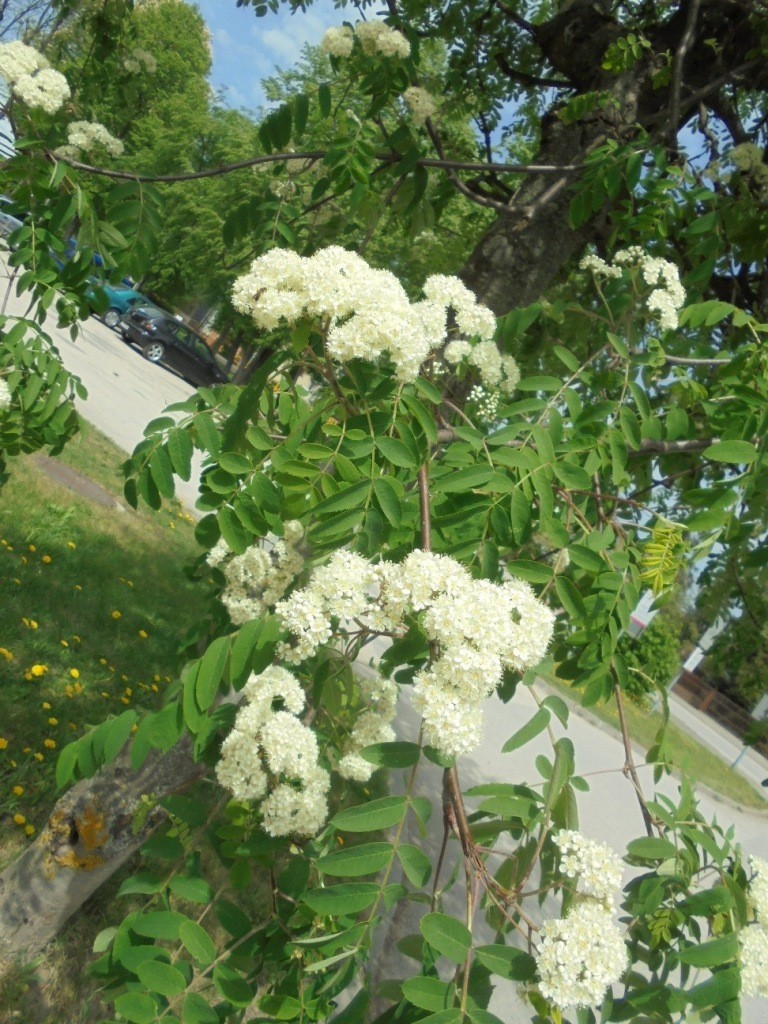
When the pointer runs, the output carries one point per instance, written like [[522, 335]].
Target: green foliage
[[653, 659]]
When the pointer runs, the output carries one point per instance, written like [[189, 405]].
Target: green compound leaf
[[350, 898], [507, 962], [162, 978], [371, 817], [356, 861], [197, 942], [137, 1007], [448, 936]]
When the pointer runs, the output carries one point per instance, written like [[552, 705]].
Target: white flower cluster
[[753, 954], [31, 77], [259, 577], [6, 395], [478, 630], [580, 956], [753, 959], [373, 36], [421, 104], [597, 867], [372, 726], [272, 750], [497, 371], [140, 61], [668, 295], [486, 402], [88, 135], [365, 312]]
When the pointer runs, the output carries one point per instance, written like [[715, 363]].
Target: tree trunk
[[91, 832]]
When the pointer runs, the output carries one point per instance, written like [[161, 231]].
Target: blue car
[[121, 299]]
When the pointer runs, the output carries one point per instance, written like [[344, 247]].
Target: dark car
[[164, 339]]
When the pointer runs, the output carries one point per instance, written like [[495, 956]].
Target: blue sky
[[247, 49]]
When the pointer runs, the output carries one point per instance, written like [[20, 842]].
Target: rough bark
[[91, 832]]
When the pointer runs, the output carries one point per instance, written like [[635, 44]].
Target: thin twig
[[629, 763], [426, 523]]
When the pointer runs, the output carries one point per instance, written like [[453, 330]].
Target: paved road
[[125, 392]]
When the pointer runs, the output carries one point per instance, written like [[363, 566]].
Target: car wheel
[[154, 351], [112, 318]]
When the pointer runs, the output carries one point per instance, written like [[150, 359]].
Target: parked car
[[164, 339], [120, 300]]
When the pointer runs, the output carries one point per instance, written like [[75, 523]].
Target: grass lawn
[[687, 756], [94, 608]]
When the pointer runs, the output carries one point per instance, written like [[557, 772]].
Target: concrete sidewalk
[[745, 760]]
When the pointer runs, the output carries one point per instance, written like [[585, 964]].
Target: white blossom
[[259, 578], [363, 312], [421, 104], [87, 135], [270, 755], [758, 889], [373, 725], [477, 627], [580, 956], [338, 41], [46, 89], [597, 867], [753, 960], [666, 300], [378, 37], [6, 395], [17, 60]]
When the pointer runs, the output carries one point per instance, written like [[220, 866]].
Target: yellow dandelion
[[32, 547], [63, 643], [19, 819], [17, 581], [128, 691], [172, 525], [167, 679], [76, 639], [73, 726], [155, 688], [46, 559], [18, 791], [53, 721], [27, 750], [30, 830], [23, 559], [102, 661], [78, 587], [104, 693], [124, 677], [28, 676], [71, 545], [156, 678], [143, 634], [49, 744], [3, 743], [117, 615], [38, 670], [74, 673], [13, 764], [125, 700], [45, 706], [5, 653], [38, 756], [68, 690]]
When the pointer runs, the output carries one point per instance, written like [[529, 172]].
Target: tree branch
[[312, 155], [677, 73]]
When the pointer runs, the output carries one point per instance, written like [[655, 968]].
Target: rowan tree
[[392, 472]]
